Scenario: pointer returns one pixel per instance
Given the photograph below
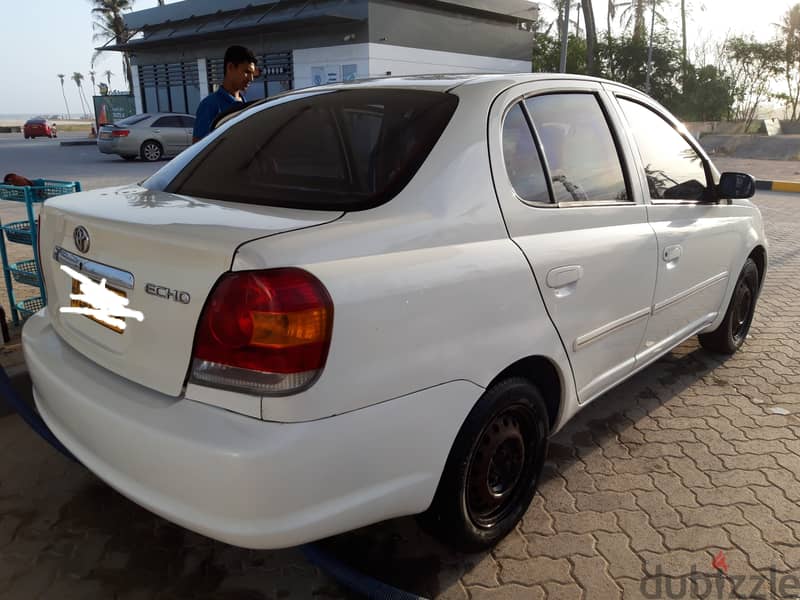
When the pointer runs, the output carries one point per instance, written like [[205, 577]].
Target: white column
[[202, 76], [137, 89]]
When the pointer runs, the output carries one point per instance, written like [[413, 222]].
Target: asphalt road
[[48, 159]]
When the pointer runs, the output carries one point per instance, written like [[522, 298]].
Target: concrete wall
[[413, 61], [778, 147]]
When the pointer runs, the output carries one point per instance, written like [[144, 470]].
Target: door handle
[[156, 131], [672, 253], [563, 276]]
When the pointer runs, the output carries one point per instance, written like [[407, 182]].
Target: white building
[[178, 48]]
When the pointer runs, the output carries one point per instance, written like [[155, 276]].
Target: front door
[[699, 242], [568, 202]]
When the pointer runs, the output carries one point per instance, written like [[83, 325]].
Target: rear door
[[564, 188], [699, 242], [171, 132], [188, 128]]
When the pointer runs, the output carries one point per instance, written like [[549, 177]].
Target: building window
[[170, 87], [275, 75]]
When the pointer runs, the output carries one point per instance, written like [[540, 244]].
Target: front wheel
[[731, 333], [151, 151], [493, 468]]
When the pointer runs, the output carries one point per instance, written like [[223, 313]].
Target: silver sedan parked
[[151, 136]]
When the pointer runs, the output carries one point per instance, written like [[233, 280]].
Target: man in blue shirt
[[240, 69]]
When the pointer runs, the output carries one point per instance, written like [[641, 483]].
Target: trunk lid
[[164, 252]]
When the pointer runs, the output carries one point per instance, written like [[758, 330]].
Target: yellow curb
[[785, 186]]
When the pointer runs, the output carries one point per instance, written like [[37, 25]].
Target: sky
[[47, 37]]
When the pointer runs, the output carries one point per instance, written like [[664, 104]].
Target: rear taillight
[[120, 133], [263, 332]]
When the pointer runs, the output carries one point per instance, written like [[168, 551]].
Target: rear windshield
[[132, 120], [343, 150]]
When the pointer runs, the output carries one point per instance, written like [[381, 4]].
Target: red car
[[39, 128]]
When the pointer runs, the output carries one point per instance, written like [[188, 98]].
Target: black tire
[[732, 332], [480, 499], [151, 151], [27, 137]]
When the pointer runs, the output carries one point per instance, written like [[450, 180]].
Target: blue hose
[[30, 416], [358, 582]]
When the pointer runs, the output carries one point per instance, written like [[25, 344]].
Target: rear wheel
[[731, 333], [151, 151], [493, 468]]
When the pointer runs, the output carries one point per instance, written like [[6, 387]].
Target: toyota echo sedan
[[368, 300], [149, 136]]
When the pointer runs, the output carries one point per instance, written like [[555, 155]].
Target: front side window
[[521, 158], [344, 150], [581, 155], [673, 168]]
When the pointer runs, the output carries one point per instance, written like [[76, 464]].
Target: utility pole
[[562, 65], [650, 48]]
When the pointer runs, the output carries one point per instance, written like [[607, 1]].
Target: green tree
[[752, 67], [706, 94], [625, 60], [110, 27]]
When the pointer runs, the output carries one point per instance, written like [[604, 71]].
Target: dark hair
[[238, 55]]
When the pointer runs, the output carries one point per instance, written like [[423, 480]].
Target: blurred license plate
[[76, 289]]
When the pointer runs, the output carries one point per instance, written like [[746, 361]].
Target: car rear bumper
[[244, 481]]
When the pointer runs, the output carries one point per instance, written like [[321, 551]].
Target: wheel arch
[[759, 255], [546, 376]]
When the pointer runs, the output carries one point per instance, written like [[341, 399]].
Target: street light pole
[[562, 65]]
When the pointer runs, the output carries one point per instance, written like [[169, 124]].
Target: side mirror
[[736, 185]]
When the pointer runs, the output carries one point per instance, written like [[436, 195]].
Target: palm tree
[[633, 13], [790, 29], [91, 76], [108, 75], [109, 27], [591, 34], [78, 78], [61, 77]]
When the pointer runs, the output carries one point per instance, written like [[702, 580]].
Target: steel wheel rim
[[743, 301], [500, 459]]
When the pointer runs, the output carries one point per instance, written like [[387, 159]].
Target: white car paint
[[435, 294]]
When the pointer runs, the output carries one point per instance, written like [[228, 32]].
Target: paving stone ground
[[693, 457]]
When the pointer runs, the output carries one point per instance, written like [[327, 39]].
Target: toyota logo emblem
[[81, 238]]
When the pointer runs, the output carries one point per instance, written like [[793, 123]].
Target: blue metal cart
[[27, 272]]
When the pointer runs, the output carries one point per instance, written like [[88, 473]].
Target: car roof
[[450, 81]]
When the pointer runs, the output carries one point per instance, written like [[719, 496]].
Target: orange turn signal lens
[[281, 330]]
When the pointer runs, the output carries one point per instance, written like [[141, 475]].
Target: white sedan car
[[378, 299]]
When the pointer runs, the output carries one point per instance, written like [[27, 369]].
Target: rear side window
[[581, 154], [345, 150], [132, 120], [171, 121], [521, 158], [187, 121]]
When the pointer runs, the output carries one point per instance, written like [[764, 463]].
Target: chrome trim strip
[[601, 332], [690, 292], [95, 270]]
